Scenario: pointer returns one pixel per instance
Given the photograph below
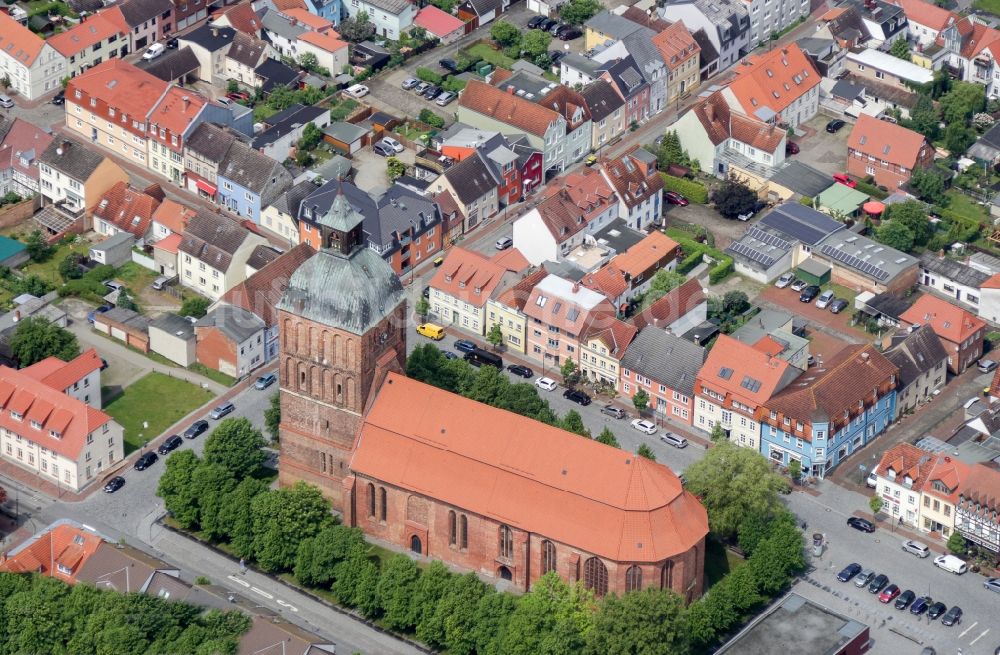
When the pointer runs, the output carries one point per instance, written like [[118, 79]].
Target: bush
[[693, 191], [454, 84], [692, 258], [721, 271], [806, 200], [872, 190], [430, 118], [427, 75]]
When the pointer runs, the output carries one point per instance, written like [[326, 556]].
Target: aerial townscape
[[495, 327]]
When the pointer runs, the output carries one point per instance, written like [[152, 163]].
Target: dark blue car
[[465, 345], [849, 572], [920, 605]]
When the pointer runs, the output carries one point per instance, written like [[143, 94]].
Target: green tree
[[578, 12], [210, 484], [35, 338], [272, 417], [236, 516], [644, 622], [640, 399], [355, 581], [733, 197], [282, 519], [318, 556], [453, 624], [735, 303], [535, 43], [924, 117], [570, 372], [573, 422], [645, 451], [308, 61], [38, 248], [196, 306], [732, 483], [555, 618], [422, 308], [232, 86], [875, 505], [670, 151], [125, 300], [607, 437], [961, 102], [430, 590], [901, 50], [427, 364], [394, 168], [30, 283], [430, 118], [505, 34], [5, 82], [69, 267], [311, 135], [396, 586], [956, 543], [795, 470], [523, 399], [928, 184], [495, 336], [236, 445], [895, 235], [912, 214], [958, 137], [176, 490], [718, 433], [663, 282], [356, 28], [778, 556]]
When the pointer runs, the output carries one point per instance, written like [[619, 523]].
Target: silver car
[[444, 98], [674, 440], [864, 578], [825, 299], [410, 82]]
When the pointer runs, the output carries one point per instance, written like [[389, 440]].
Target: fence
[[17, 213], [144, 261]]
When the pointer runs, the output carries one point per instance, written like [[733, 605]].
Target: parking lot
[[822, 150]]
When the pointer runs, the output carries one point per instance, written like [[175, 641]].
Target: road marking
[[979, 637], [238, 581], [284, 604], [967, 629], [262, 593]]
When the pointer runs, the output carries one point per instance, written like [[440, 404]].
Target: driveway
[[822, 150], [371, 170]]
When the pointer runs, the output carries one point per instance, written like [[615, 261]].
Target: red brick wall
[[215, 350], [888, 175]]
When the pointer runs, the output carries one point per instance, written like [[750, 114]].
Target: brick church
[[450, 478]]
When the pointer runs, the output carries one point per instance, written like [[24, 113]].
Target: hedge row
[[872, 190], [694, 252], [693, 191], [721, 271]]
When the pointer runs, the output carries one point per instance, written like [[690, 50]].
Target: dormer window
[[54, 434], [461, 285], [36, 425], [65, 570], [478, 290], [14, 415], [891, 474], [447, 278]]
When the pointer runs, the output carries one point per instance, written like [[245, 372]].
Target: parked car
[[114, 286], [222, 410], [6, 102], [409, 83], [547, 24], [936, 610], [986, 365], [432, 91], [357, 91], [920, 605], [888, 594], [904, 599], [536, 22], [59, 98], [94, 313], [577, 396], [861, 524], [448, 354], [154, 51], [114, 484], [504, 243], [824, 299], [420, 88], [383, 150], [445, 98], [799, 285], [838, 305], [992, 584], [556, 27], [791, 148], [953, 616], [464, 345], [916, 548], [196, 428], [834, 126], [172, 44], [521, 371], [392, 143], [809, 293], [642, 425], [784, 280], [570, 33], [864, 578], [849, 572], [951, 564], [674, 198], [548, 384], [449, 65], [842, 178], [872, 480], [172, 443], [264, 381], [556, 56], [674, 440], [759, 205], [237, 96], [878, 583], [613, 412], [145, 461]]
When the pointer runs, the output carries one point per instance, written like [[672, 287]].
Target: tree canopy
[[733, 197], [577, 12], [236, 445], [36, 338], [895, 235]]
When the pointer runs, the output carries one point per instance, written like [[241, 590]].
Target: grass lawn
[[489, 55], [135, 277], [341, 110], [145, 401], [719, 560], [989, 6], [962, 204], [49, 269], [216, 376]]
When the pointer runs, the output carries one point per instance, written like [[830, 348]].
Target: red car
[[791, 148], [675, 198], [888, 594], [238, 95], [843, 179]]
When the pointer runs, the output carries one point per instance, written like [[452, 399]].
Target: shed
[[115, 250], [841, 200], [346, 138], [12, 253], [813, 271], [124, 325], [173, 337]]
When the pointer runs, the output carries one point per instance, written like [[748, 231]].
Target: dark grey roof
[[210, 142], [482, 7], [254, 171], [273, 21], [246, 50], [399, 210], [282, 127], [665, 358], [618, 235], [261, 256], [888, 304], [627, 77], [953, 270], [802, 178], [847, 90], [127, 317], [211, 38], [275, 73], [235, 322], [472, 178], [801, 223], [367, 290], [5, 125], [72, 158], [284, 114], [172, 65], [992, 136], [916, 353], [137, 12], [213, 239], [708, 52], [412, 183], [176, 325], [114, 241], [640, 45], [612, 25], [288, 201], [342, 216], [318, 203]]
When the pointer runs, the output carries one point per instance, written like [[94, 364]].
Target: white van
[[951, 563], [154, 51]]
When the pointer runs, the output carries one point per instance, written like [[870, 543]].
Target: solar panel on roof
[[752, 254], [855, 263], [768, 238]]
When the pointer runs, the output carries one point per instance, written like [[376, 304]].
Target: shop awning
[[210, 189]]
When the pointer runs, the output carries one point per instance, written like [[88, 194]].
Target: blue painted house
[[830, 411], [249, 180]]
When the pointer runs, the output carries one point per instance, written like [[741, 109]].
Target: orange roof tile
[[170, 243], [308, 19], [18, 42], [122, 86], [526, 474], [609, 281], [676, 45], [981, 485], [517, 295], [566, 305], [769, 346], [775, 79], [739, 372], [720, 123], [61, 375], [949, 472], [243, 18], [126, 208], [437, 22], [511, 260], [64, 545], [81, 36], [644, 255], [175, 112], [950, 322], [326, 41], [616, 334], [887, 141], [507, 108], [173, 215], [467, 276], [673, 306], [115, 15], [906, 460], [285, 5], [570, 205], [926, 13], [634, 181], [991, 283]]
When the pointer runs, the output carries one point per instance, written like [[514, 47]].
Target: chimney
[[215, 31], [510, 90], [576, 287], [187, 102], [865, 356]]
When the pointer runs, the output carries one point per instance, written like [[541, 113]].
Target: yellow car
[[591, 160], [431, 331]]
